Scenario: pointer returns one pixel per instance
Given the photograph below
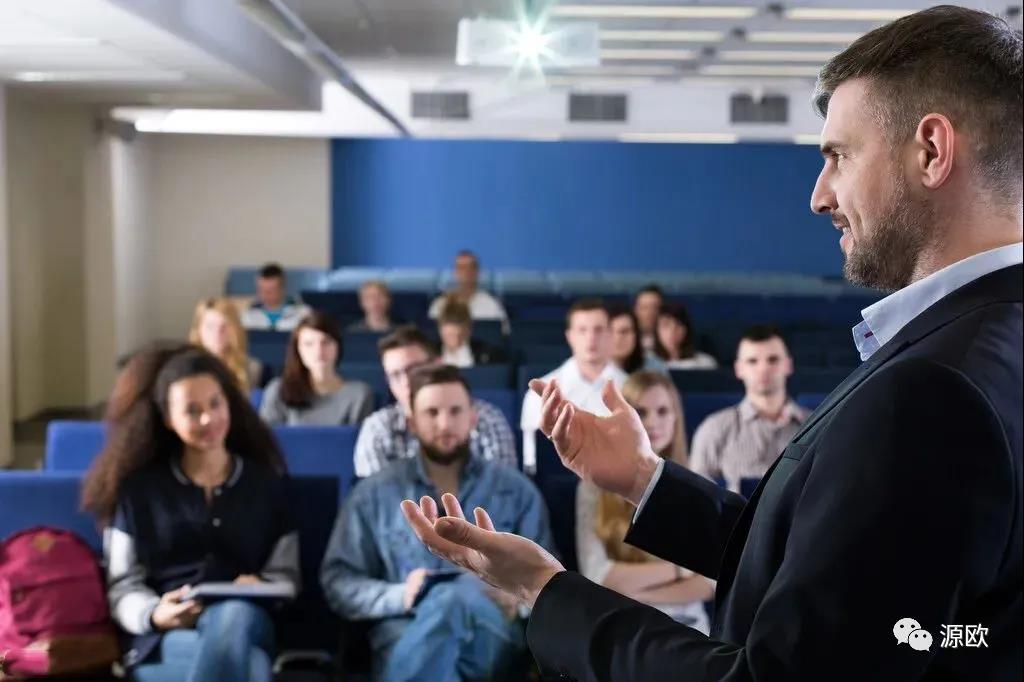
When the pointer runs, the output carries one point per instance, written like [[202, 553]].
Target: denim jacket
[[373, 549]]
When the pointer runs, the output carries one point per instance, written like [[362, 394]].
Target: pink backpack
[[54, 617]]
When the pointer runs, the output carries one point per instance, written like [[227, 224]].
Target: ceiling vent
[[604, 108], [447, 106], [745, 108]]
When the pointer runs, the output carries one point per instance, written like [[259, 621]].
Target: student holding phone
[[191, 489], [428, 620]]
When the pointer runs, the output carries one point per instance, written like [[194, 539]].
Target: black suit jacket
[[899, 498]]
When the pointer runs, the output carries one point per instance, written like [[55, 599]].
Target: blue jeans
[[457, 633], [231, 642]]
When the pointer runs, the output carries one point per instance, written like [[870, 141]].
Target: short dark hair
[[406, 336], [271, 271], [651, 289], [960, 62], [762, 332], [467, 253], [584, 305], [432, 375]]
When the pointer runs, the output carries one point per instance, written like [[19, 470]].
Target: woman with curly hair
[[191, 488]]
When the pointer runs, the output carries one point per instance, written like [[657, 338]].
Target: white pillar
[[6, 380]]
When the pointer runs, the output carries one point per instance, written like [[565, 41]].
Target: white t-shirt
[[482, 306], [577, 390]]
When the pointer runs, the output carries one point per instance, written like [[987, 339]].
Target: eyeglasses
[[403, 374]]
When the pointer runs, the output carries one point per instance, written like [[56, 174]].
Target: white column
[[6, 380]]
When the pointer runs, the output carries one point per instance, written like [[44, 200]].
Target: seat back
[[73, 445]]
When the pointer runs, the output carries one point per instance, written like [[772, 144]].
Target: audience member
[[458, 347], [602, 518], [677, 341], [311, 391], [273, 308], [430, 621], [375, 300], [582, 376], [387, 434], [217, 328], [646, 306], [482, 305], [742, 441], [627, 352], [191, 488]]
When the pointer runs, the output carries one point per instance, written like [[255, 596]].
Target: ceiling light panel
[[818, 57], [649, 55], [844, 14], [652, 12], [759, 70], [821, 38], [654, 36]]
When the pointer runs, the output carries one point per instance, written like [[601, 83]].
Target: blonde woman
[[217, 327], [602, 518]]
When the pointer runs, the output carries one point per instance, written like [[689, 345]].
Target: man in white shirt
[[273, 308], [482, 305], [581, 377]]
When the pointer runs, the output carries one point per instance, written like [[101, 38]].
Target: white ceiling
[[98, 51], [418, 34], [177, 55]]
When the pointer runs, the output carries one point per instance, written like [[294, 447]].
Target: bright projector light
[[490, 42]]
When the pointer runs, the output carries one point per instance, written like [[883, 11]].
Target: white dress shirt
[[884, 319], [584, 394]]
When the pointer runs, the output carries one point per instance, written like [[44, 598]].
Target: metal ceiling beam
[[289, 30]]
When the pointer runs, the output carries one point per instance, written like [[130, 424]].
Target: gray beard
[[886, 258]]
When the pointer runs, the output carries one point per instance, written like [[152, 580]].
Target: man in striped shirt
[[742, 441]]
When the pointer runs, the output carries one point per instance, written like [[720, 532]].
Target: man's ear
[[935, 150]]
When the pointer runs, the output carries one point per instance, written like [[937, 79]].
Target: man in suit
[[893, 520]]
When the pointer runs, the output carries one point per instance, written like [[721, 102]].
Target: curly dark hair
[[137, 433]]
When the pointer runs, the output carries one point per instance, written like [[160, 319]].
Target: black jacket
[[899, 498]]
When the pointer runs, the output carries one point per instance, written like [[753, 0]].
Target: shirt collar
[[884, 319], [791, 412], [236, 471], [570, 374]]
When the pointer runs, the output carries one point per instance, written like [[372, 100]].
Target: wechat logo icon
[[909, 631]]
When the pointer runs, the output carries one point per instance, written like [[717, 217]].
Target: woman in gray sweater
[[310, 391]]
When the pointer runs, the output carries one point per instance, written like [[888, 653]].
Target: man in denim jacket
[[431, 622]]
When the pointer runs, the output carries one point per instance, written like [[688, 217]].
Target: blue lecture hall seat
[[505, 399], [698, 406], [308, 450]]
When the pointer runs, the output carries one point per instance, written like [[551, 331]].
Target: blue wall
[[579, 205]]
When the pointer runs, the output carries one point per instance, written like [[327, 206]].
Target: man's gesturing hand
[[612, 452], [508, 562]]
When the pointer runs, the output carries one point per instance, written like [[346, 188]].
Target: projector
[[493, 42]]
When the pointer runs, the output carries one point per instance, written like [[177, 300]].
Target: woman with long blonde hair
[[217, 327], [602, 519]]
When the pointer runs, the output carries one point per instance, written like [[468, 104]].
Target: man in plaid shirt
[[386, 435]]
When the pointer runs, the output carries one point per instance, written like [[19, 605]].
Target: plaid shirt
[[385, 437]]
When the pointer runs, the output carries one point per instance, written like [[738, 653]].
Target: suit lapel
[[1003, 285]]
